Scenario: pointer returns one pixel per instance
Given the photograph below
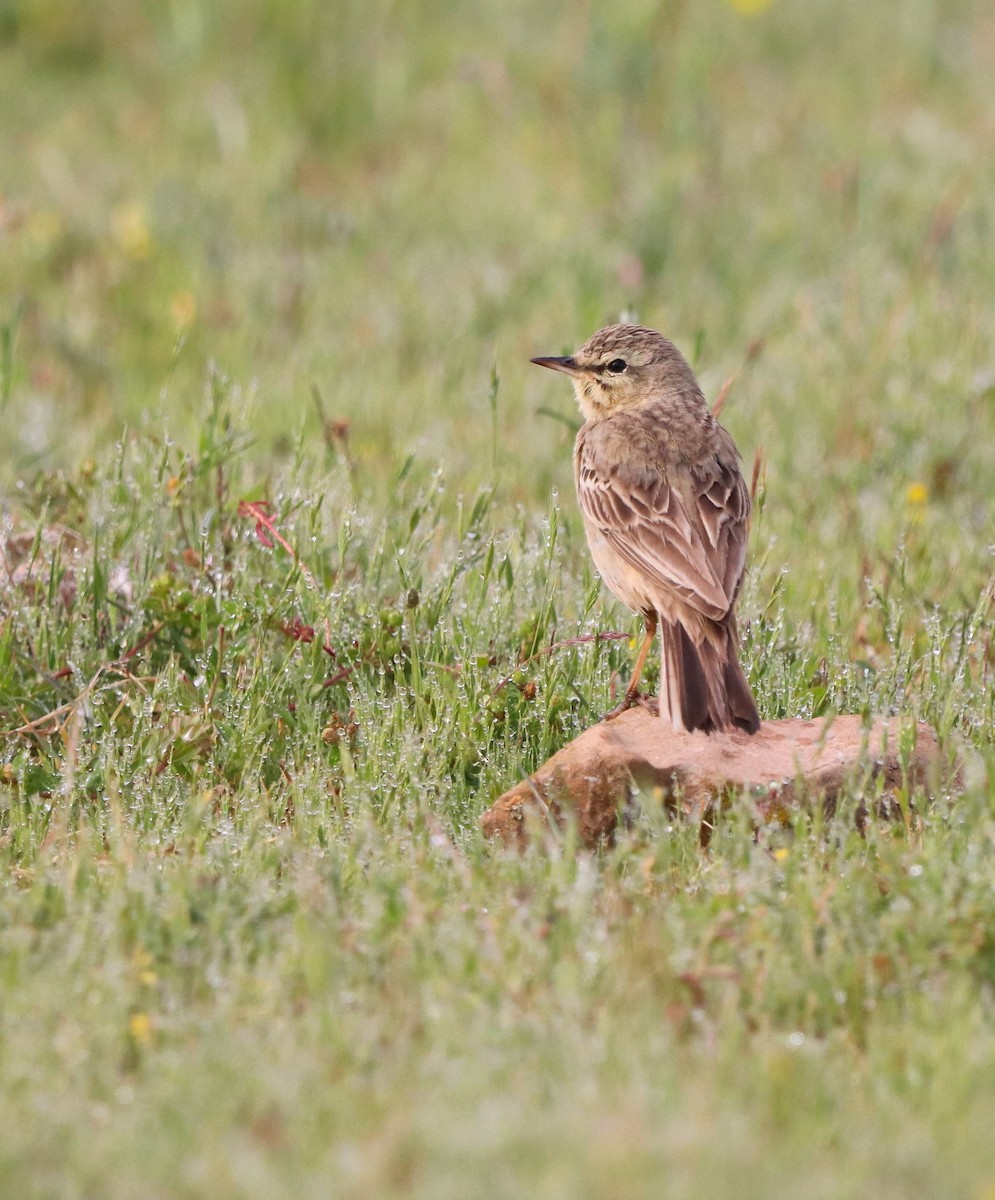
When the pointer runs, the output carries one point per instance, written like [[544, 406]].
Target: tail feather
[[742, 706], [702, 685], [672, 685]]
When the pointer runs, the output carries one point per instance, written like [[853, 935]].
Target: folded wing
[[686, 531]]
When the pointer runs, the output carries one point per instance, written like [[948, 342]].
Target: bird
[[666, 513]]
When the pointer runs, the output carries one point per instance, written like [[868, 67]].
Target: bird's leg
[[632, 691]]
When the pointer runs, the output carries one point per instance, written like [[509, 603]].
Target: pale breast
[[619, 577]]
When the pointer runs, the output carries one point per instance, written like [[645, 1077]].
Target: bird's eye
[[616, 366]]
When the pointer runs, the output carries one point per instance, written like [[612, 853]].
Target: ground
[[294, 586]]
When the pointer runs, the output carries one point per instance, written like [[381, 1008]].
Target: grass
[[287, 522]]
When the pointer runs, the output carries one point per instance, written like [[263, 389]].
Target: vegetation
[[290, 553]]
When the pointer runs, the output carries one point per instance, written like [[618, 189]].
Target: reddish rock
[[787, 763]]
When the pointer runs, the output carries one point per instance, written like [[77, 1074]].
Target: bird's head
[[623, 366]]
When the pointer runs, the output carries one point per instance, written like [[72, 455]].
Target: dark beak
[[567, 365]]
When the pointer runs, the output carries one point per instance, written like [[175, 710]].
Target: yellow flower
[[182, 309], [916, 494], [130, 227], [140, 1027], [148, 978], [749, 8], [780, 854]]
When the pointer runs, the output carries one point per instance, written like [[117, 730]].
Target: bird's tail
[[702, 685]]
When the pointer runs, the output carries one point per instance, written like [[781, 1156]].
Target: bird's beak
[[568, 366]]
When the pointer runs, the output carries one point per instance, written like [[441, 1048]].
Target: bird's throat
[[592, 397]]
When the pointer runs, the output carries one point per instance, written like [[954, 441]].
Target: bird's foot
[[629, 700]]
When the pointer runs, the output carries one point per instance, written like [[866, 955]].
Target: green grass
[[297, 256]]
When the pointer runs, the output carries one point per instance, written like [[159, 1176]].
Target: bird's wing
[[686, 532]]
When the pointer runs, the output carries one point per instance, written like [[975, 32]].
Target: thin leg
[[632, 691]]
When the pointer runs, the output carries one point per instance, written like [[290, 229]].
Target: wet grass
[[295, 586]]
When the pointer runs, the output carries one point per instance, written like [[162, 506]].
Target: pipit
[[666, 512]]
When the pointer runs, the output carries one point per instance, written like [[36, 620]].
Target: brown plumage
[[666, 512]]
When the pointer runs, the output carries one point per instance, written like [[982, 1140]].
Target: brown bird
[[666, 512]]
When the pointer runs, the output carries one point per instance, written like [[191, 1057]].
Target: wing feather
[[684, 531]]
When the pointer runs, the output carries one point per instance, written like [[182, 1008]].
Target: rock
[[785, 764]]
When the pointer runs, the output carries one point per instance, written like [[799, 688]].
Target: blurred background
[[391, 202], [252, 940]]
